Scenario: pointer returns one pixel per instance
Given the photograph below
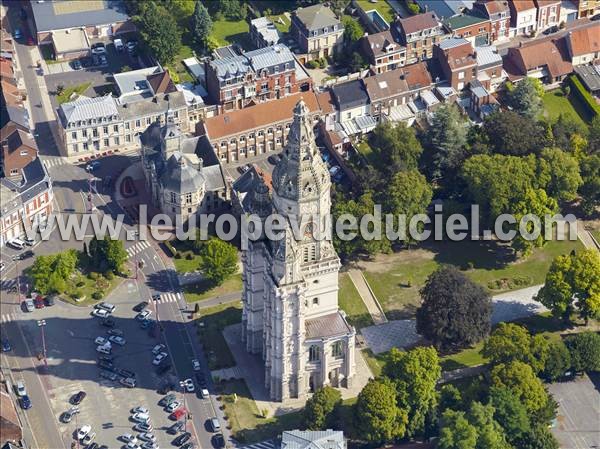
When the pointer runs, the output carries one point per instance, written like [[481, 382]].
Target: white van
[[16, 243], [119, 44]]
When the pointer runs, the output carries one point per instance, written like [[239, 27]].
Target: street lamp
[[42, 324]]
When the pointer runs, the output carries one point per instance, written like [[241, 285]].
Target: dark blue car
[[25, 402], [6, 346]]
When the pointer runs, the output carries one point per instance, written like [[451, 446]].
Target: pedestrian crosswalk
[[137, 248], [54, 162], [169, 297], [6, 318], [8, 284]]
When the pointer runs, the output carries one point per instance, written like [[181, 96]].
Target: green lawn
[[375, 362], [186, 265], [227, 32], [351, 303], [211, 323], [365, 150], [204, 290], [78, 89], [244, 418], [555, 103], [181, 73], [83, 286], [282, 27], [466, 357], [383, 7], [596, 235], [397, 288]]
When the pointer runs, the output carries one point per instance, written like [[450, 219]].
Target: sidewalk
[[367, 296]]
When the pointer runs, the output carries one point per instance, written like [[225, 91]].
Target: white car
[[159, 358], [204, 393], [147, 437], [88, 438], [83, 431], [150, 445], [129, 438], [100, 313], [141, 417], [189, 385], [158, 349], [196, 365], [21, 391], [117, 340], [173, 406], [143, 314], [143, 427], [131, 445], [103, 349], [101, 341], [139, 409]]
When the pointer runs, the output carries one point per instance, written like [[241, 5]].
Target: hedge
[[585, 97]]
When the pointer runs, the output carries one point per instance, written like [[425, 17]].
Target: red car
[[39, 302], [30, 41], [178, 414]]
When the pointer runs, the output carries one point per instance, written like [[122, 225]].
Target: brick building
[[458, 61], [472, 26], [383, 51], [498, 12]]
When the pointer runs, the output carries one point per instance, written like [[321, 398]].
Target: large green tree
[[455, 312], [377, 418], [352, 30], [396, 148], [319, 412], [526, 97], [594, 136], [560, 174], [510, 413], [107, 254], [539, 437], [535, 203], [447, 139], [521, 380], [201, 24], [585, 351], [590, 187], [558, 361], [573, 284], [565, 129], [510, 342], [415, 374], [159, 31], [218, 260], [510, 133], [456, 432]]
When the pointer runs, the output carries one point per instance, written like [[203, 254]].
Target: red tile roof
[[540, 53], [522, 5], [586, 40], [259, 116]]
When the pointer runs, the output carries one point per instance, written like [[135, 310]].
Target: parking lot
[[577, 425], [73, 367]]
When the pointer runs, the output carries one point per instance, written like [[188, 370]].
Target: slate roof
[[161, 83], [231, 67], [590, 76], [16, 114], [180, 176], [350, 95], [47, 18], [269, 56], [35, 181], [315, 439], [418, 22], [326, 326], [465, 20], [85, 108], [376, 43], [266, 28], [316, 17], [20, 138], [444, 8], [452, 43], [488, 56]]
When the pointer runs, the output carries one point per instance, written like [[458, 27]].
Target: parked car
[[105, 364], [108, 322], [124, 372], [159, 358], [595, 17], [18, 34], [88, 438], [106, 305], [50, 300], [553, 29], [107, 358], [29, 306], [92, 166], [83, 431], [196, 365], [141, 417], [141, 306], [139, 409], [76, 64], [218, 441], [145, 324], [176, 428], [28, 241], [20, 387], [167, 399], [158, 349], [108, 375], [204, 393], [150, 445], [189, 385], [117, 340], [127, 382], [173, 406], [101, 341], [67, 416], [98, 49], [103, 349], [127, 438], [181, 439], [215, 425], [156, 297], [143, 314], [115, 331], [25, 402], [78, 397], [100, 313], [16, 243], [143, 427], [131, 46], [118, 44], [146, 436], [25, 255], [39, 302], [178, 414], [102, 60]]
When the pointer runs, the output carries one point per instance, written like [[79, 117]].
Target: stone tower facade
[[290, 312]]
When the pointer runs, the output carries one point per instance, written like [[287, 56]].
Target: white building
[[290, 303]]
